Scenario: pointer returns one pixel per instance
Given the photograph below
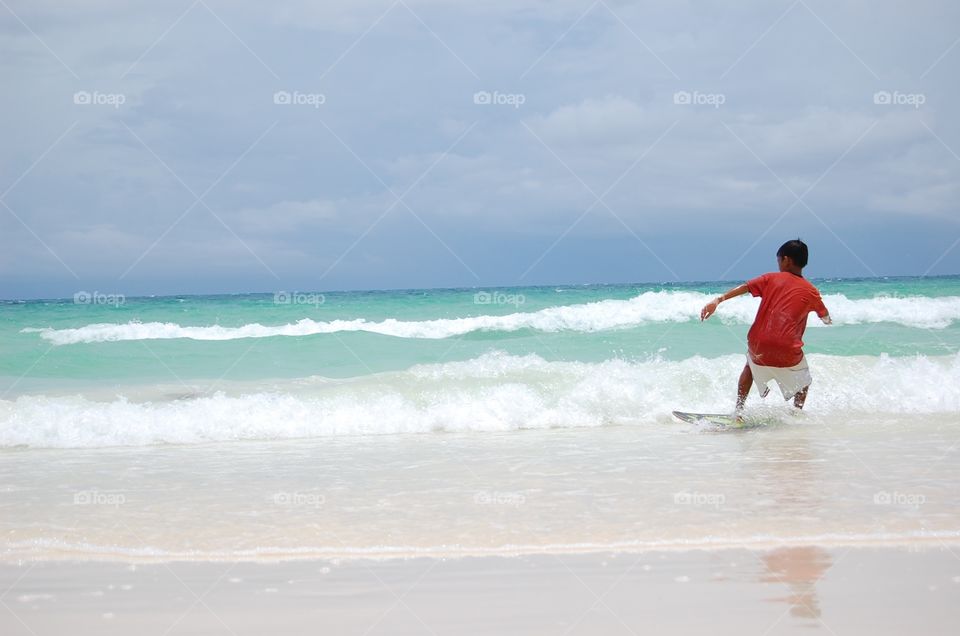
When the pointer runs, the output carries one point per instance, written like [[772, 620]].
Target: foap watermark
[[311, 499], [696, 98], [296, 98], [498, 298], [912, 499], [98, 298], [97, 498], [298, 298], [694, 498], [496, 98], [96, 98], [896, 98], [496, 498]]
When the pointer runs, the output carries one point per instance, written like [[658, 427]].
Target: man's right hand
[[709, 308]]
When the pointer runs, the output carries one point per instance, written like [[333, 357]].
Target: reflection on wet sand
[[799, 569], [788, 481]]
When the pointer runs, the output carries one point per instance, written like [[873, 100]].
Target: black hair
[[796, 250]]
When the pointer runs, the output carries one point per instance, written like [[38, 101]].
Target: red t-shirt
[[776, 337]]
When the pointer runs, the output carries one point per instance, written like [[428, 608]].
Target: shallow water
[[858, 480], [453, 427]]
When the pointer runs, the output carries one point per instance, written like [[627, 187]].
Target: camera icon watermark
[[694, 498], [98, 298], [97, 498], [885, 498], [298, 298], [498, 298], [496, 98], [309, 499], [696, 98], [96, 98], [496, 498], [296, 98], [896, 98]]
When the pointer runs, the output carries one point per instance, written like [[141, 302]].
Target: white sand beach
[[797, 590]]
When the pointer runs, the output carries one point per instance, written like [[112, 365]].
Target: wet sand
[[795, 590]]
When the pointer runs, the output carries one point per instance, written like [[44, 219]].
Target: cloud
[[287, 216], [300, 184], [595, 122]]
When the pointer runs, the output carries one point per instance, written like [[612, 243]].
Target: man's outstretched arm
[[711, 306]]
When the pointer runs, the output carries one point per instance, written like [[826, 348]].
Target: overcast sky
[[198, 146]]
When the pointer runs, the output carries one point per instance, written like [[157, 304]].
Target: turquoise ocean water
[[468, 421], [439, 357]]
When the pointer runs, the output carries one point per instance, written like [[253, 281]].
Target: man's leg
[[743, 386], [800, 397]]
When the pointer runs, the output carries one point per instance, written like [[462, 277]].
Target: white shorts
[[791, 380]]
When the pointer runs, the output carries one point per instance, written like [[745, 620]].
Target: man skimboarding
[[775, 341]]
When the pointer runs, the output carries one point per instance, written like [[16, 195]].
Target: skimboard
[[718, 420]]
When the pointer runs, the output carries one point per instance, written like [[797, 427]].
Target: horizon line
[[468, 288]]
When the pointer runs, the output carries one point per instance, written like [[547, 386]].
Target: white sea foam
[[495, 392], [45, 549], [649, 307]]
